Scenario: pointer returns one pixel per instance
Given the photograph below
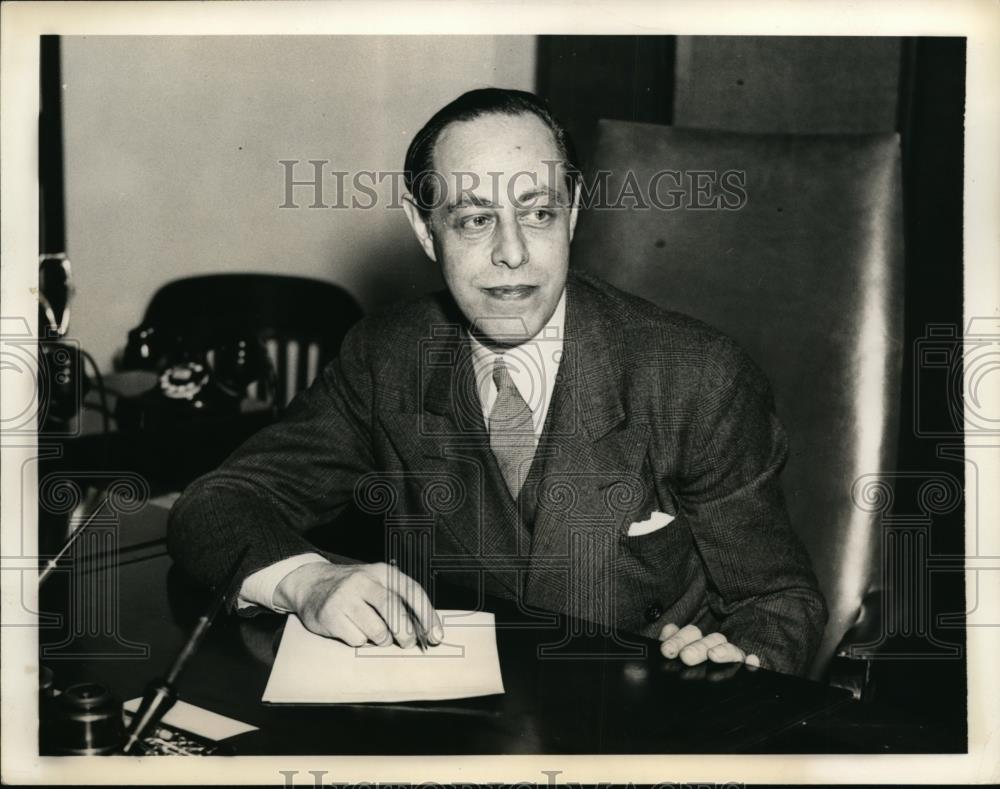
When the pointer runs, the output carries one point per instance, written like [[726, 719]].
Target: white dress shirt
[[532, 365]]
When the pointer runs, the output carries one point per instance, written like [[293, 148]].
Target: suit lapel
[[593, 453], [588, 460], [451, 439]]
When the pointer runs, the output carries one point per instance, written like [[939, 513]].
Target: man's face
[[501, 231]]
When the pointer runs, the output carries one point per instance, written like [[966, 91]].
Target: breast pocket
[[661, 565], [670, 542], [654, 572]]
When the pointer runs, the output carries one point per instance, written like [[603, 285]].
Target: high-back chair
[[299, 322], [797, 255]]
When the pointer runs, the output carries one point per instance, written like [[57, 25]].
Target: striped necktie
[[512, 432]]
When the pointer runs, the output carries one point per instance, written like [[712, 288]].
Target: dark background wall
[[792, 85], [799, 85]]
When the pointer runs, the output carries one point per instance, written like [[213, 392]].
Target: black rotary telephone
[[197, 375]]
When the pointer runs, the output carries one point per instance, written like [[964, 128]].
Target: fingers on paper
[[405, 602], [387, 607], [370, 623], [342, 627]]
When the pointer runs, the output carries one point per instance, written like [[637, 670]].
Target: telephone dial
[[196, 376]]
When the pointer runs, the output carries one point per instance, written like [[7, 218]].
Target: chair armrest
[[851, 668]]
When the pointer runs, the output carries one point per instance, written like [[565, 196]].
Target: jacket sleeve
[[289, 477], [761, 586]]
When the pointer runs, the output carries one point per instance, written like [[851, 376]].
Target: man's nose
[[510, 249]]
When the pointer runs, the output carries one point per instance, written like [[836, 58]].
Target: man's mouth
[[510, 292]]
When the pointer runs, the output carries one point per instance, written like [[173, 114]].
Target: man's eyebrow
[[468, 198], [541, 191]]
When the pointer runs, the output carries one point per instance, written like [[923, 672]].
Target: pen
[[161, 694], [422, 641]]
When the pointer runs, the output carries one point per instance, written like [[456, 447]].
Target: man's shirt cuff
[[258, 588]]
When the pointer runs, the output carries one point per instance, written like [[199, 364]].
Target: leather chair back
[[806, 273]]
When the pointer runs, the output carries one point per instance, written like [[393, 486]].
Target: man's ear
[[574, 211], [421, 226]]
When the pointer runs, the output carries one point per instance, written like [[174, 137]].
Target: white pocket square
[[656, 520]]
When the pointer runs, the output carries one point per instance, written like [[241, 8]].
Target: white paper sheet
[[310, 669], [198, 720]]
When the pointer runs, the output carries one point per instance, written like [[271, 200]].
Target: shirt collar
[[533, 364]]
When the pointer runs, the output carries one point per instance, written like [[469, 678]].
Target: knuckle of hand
[[367, 588], [347, 586], [388, 570], [337, 600]]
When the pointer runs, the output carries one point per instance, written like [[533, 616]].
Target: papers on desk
[[197, 720], [310, 669]]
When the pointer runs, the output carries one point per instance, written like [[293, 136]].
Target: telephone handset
[[195, 375]]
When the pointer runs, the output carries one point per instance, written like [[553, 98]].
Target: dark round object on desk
[[86, 721]]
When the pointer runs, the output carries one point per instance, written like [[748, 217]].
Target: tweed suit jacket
[[651, 411]]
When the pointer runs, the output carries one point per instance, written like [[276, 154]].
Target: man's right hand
[[358, 603]]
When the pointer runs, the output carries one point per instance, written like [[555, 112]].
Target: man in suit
[[560, 443]]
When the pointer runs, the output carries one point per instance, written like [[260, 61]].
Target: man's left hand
[[693, 648]]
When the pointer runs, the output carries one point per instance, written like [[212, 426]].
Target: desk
[[605, 704], [173, 451], [81, 458]]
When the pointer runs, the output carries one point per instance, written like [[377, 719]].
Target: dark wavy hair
[[469, 106]]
